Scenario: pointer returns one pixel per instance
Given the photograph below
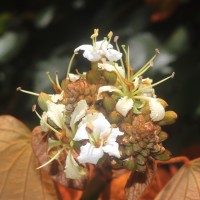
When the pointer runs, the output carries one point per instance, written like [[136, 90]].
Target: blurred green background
[[37, 36]]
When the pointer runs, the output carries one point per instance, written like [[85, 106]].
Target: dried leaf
[[185, 184], [19, 178], [55, 168], [138, 182]]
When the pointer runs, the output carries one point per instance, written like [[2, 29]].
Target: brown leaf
[[138, 182], [19, 178], [55, 169], [185, 184]]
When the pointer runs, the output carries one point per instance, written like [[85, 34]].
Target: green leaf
[[19, 178], [185, 184]]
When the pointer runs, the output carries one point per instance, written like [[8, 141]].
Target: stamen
[[50, 127], [50, 79], [110, 34], [151, 86], [145, 67], [57, 81], [157, 83], [27, 92], [128, 64], [70, 63], [117, 46], [94, 37], [54, 157], [120, 78]]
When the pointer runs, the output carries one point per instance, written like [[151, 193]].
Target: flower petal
[[57, 97], [110, 68], [56, 113], [81, 133], [103, 45], [78, 113], [107, 89], [72, 169], [73, 77], [111, 146], [90, 154], [157, 110], [92, 56], [85, 47], [100, 124], [42, 122], [124, 105], [112, 149], [113, 55]]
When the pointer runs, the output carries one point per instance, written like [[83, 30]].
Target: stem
[[98, 183], [178, 159]]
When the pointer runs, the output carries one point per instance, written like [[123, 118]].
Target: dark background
[[39, 36]]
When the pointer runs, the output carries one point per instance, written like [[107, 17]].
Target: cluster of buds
[[107, 116]]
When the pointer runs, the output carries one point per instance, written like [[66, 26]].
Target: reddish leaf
[[55, 169], [185, 184], [19, 178], [138, 182]]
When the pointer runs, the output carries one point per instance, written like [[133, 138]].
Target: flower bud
[[110, 77], [141, 168], [166, 155], [115, 117], [42, 100], [169, 118], [109, 103], [140, 160], [93, 76], [162, 136], [130, 164], [162, 102], [129, 150]]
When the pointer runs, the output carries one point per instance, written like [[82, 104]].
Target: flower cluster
[[107, 116]]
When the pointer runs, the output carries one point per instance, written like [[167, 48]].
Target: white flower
[[78, 113], [101, 48], [107, 89], [110, 68], [55, 112], [72, 169], [124, 105], [146, 89], [57, 97], [102, 139], [157, 110], [43, 122], [73, 77]]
